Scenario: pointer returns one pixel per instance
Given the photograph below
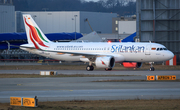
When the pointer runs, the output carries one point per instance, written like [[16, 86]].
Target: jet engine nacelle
[[132, 64], [105, 62]]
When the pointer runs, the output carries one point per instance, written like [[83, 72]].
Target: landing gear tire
[[151, 69], [108, 69], [89, 68]]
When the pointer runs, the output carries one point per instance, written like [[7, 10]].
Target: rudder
[[34, 34]]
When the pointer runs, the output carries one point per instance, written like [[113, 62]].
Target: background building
[[123, 26], [7, 17], [159, 21], [69, 21], [126, 27], [123, 19]]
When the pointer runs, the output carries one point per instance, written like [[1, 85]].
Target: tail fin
[[34, 34]]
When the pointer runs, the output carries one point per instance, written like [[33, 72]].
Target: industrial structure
[[7, 17], [118, 24], [69, 21], [159, 21], [123, 26]]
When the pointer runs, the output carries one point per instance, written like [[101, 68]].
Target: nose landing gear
[[151, 68]]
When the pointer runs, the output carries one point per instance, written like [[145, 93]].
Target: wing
[[91, 56], [86, 55]]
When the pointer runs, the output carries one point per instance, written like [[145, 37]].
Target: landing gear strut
[[151, 68], [91, 61]]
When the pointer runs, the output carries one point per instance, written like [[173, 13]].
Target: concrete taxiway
[[98, 72], [86, 88]]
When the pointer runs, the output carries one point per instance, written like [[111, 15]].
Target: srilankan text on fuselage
[[115, 48], [131, 48]]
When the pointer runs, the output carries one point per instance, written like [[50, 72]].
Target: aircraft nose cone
[[170, 55]]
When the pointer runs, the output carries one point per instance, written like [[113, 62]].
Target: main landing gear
[[89, 68], [151, 68], [108, 69]]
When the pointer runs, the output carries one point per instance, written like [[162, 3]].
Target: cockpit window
[[160, 49], [165, 48]]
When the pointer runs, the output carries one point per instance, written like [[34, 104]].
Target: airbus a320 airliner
[[102, 54]]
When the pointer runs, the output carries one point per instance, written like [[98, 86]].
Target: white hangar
[[69, 21]]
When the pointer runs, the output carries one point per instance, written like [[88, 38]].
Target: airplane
[[102, 54]]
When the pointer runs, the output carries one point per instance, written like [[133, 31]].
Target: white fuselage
[[131, 52]]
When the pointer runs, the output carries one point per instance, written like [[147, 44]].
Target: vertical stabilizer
[[34, 34]]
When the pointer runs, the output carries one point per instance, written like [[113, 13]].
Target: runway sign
[[23, 101], [29, 102], [166, 77], [150, 78], [16, 101]]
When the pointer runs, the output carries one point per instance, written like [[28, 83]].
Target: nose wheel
[[151, 68]]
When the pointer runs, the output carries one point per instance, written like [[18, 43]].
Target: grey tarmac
[[84, 88]]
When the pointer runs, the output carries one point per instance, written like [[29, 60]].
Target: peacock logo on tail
[[35, 35]]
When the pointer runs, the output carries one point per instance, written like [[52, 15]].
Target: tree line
[[121, 7]]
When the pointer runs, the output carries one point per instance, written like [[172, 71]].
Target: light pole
[[75, 25]]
